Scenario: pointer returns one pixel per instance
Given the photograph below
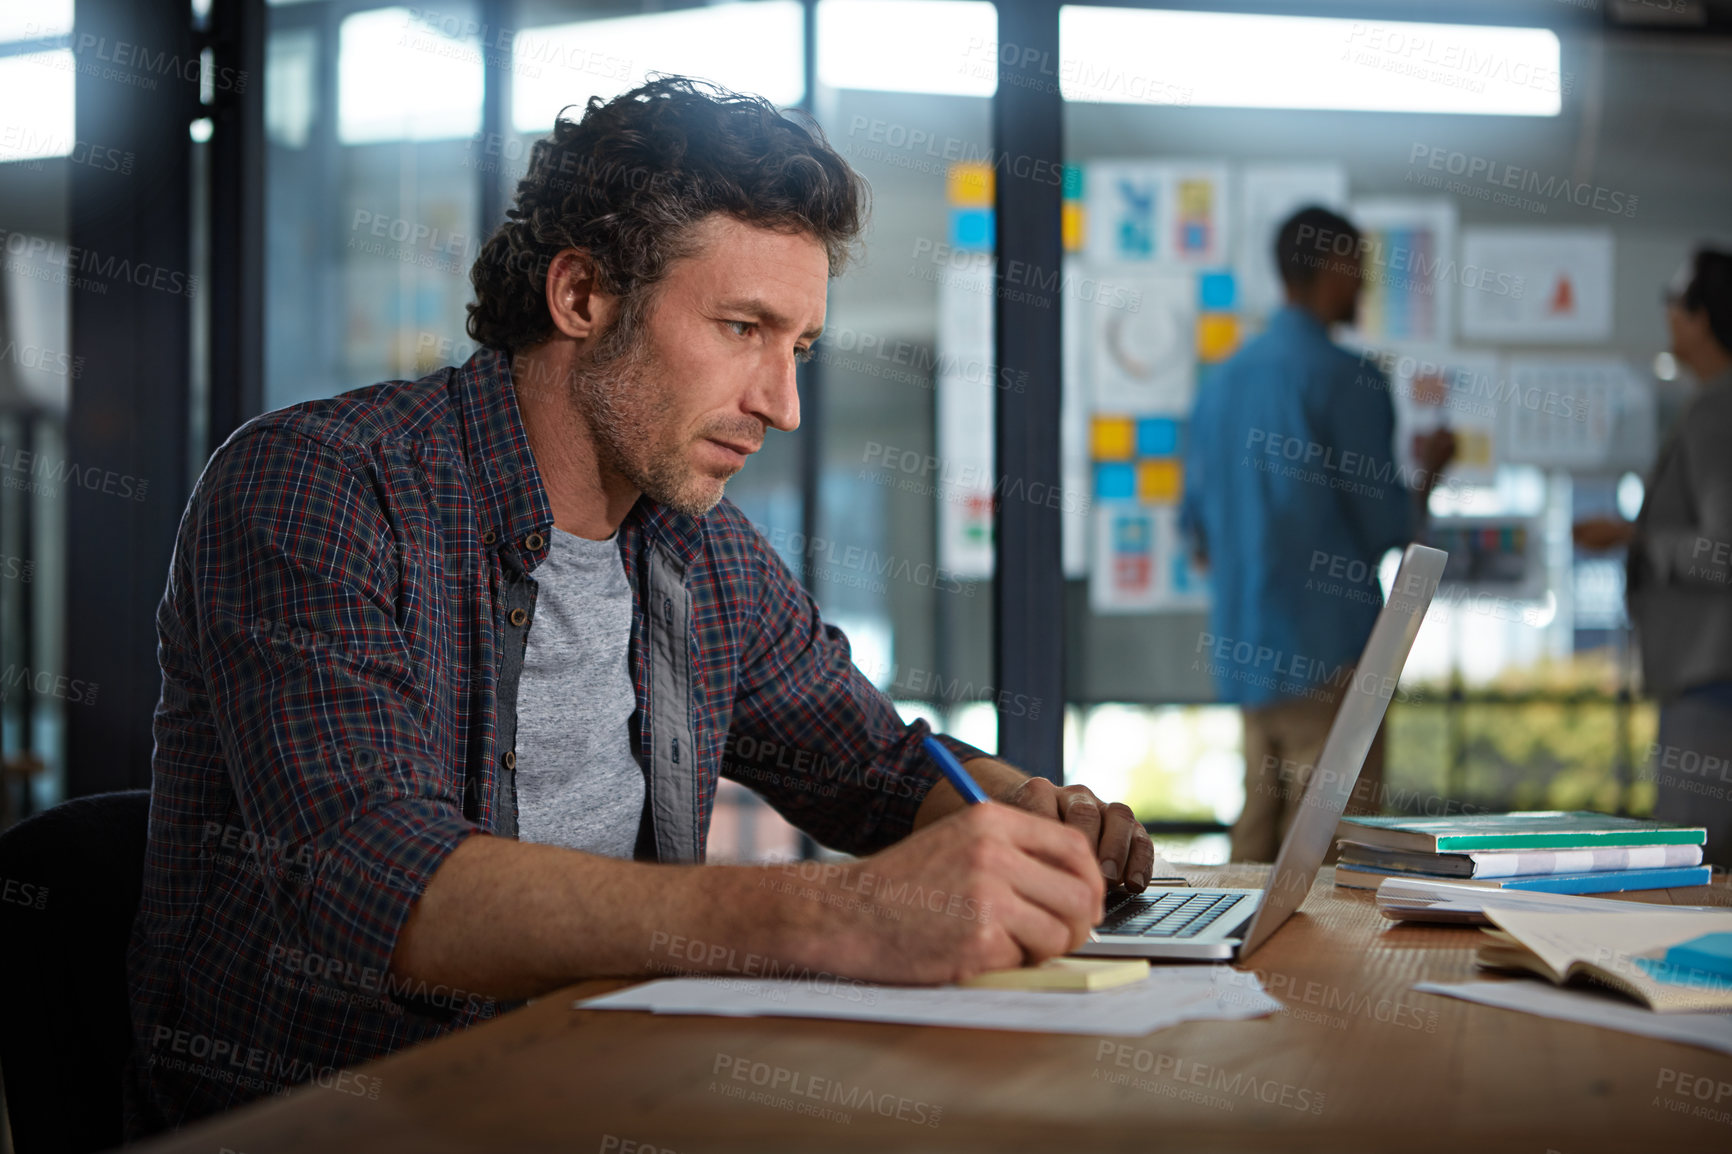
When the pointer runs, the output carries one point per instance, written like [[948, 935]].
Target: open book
[[1622, 949]]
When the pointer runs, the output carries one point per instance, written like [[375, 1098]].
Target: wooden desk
[[1389, 1068]]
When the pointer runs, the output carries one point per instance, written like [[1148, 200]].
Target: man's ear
[[579, 308]]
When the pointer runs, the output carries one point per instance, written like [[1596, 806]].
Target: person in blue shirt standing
[[1293, 493]]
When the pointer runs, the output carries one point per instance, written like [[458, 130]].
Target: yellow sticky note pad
[[1159, 481], [1113, 438], [1077, 975], [969, 185], [1071, 225], [1217, 336], [1473, 448]]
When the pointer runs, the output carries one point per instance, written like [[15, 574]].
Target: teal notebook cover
[[1541, 829]]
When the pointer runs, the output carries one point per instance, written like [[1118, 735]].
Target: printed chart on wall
[[1076, 398], [1410, 271], [1562, 282], [965, 419], [1589, 413], [1144, 212], [1145, 360], [1140, 560], [1268, 195]]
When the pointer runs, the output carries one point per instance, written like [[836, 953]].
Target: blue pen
[[954, 773]]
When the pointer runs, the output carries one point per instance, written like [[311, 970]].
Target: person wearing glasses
[[1678, 573]]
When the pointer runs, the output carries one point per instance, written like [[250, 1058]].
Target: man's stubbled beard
[[614, 390]]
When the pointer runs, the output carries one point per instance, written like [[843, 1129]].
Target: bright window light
[[1232, 60], [754, 48], [291, 80], [399, 78], [948, 47], [1630, 494], [37, 88], [36, 20]]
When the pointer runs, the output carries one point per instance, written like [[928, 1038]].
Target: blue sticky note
[[1073, 182], [1216, 291], [971, 229], [1157, 436], [1710, 953], [1115, 480], [1683, 975]]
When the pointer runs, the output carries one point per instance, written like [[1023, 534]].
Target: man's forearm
[[997, 778], [507, 919]]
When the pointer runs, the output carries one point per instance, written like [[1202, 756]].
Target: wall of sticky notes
[[1168, 270]]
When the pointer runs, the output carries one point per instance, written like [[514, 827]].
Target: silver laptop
[[1208, 924]]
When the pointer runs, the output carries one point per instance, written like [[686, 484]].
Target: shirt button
[[490, 538], [510, 759], [534, 541], [518, 617]]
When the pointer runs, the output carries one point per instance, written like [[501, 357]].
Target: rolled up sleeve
[[814, 736], [325, 716]]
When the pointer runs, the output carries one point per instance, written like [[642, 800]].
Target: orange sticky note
[[1113, 438], [1217, 336], [1071, 225], [1159, 481], [969, 185]]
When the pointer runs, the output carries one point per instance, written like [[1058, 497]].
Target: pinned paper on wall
[[1142, 211], [1145, 360], [1461, 391], [1074, 408], [965, 414], [1537, 285], [1124, 576], [1409, 267], [1124, 201], [1199, 222], [1268, 195], [1585, 413], [1141, 564]]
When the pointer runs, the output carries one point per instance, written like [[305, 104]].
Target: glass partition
[[39, 144], [1511, 280]]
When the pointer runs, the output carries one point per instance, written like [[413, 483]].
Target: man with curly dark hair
[[451, 667]]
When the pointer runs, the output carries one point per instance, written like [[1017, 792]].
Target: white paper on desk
[[1608, 1011], [1172, 994]]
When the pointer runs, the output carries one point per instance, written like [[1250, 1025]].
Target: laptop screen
[[1363, 705]]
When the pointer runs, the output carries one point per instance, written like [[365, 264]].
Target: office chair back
[[70, 883]]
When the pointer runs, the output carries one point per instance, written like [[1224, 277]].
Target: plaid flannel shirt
[[340, 640]]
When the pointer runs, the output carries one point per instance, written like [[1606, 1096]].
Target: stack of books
[[1548, 851]]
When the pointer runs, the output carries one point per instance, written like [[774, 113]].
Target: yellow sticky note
[[1473, 448], [969, 185], [1159, 481], [1071, 225], [1217, 336], [1078, 975], [1113, 438]]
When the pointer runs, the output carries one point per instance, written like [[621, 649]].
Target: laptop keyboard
[[1183, 914]]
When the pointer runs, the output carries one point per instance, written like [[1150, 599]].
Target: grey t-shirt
[[578, 783]]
